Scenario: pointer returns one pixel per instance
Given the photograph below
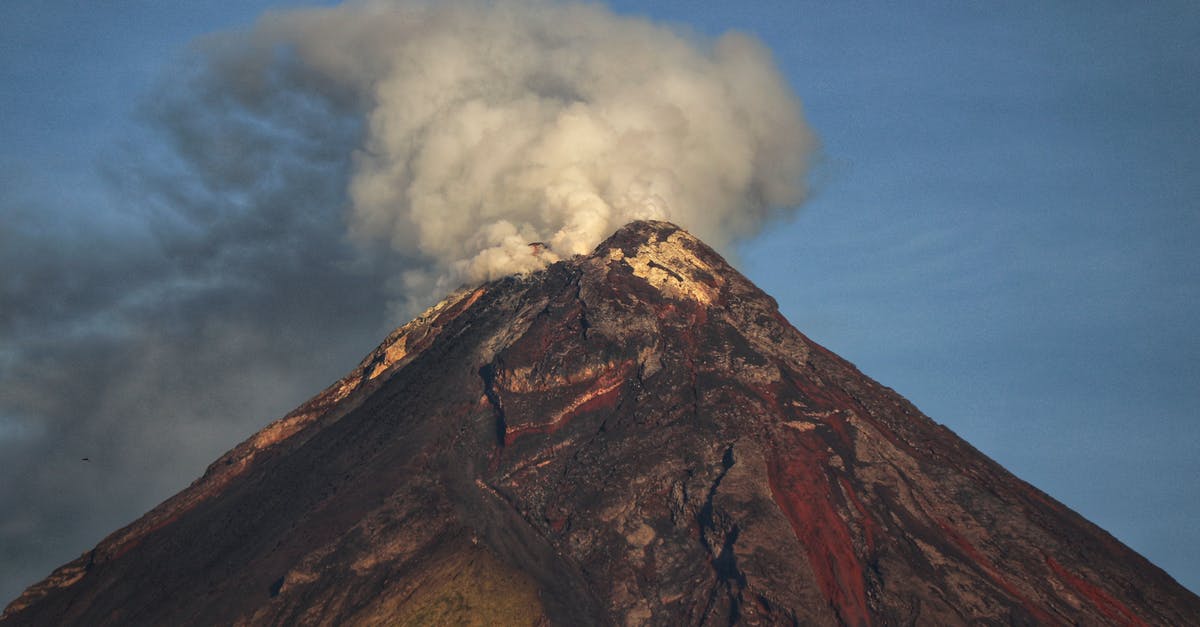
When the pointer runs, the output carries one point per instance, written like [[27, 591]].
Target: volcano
[[637, 436]]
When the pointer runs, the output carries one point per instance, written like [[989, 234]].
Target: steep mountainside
[[636, 436]]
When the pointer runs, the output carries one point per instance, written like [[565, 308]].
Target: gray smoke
[[297, 178]]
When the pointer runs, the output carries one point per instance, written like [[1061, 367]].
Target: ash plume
[[298, 187], [486, 126]]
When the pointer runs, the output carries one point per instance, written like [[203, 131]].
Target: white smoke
[[488, 126]]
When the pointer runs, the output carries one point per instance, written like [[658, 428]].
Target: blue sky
[[1003, 227]]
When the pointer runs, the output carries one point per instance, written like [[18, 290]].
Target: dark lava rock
[[637, 436]]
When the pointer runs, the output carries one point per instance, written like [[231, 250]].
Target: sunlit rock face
[[632, 437]]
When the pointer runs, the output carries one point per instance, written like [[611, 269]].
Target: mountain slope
[[634, 436]]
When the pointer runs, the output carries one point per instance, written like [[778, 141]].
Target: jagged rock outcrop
[[633, 437]]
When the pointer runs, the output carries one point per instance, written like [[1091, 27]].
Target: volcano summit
[[636, 436]]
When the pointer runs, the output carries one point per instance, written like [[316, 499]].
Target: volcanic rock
[[632, 437]]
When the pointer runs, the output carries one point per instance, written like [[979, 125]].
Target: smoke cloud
[[489, 126], [297, 188]]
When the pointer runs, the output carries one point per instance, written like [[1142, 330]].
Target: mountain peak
[[635, 436], [668, 258], [640, 232]]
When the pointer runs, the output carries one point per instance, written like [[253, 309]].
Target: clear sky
[[1003, 229]]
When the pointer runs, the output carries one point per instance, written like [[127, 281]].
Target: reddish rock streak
[[602, 395], [1110, 607], [800, 485]]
